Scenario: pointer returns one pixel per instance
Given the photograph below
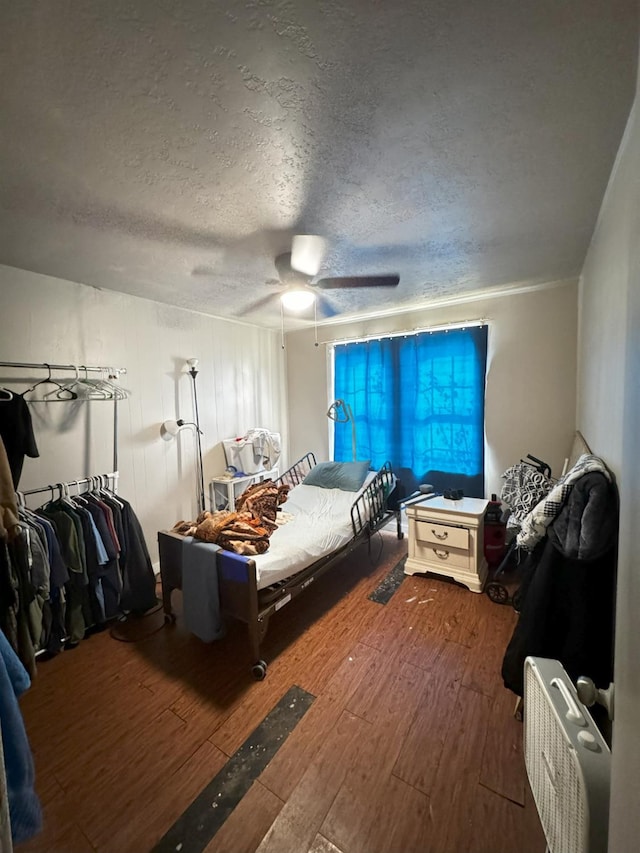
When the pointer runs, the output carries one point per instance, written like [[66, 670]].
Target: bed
[[326, 525]]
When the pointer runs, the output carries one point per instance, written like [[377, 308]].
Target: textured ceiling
[[171, 149]]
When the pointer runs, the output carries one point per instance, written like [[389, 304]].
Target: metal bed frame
[[240, 597]]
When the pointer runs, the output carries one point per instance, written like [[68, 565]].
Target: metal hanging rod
[[407, 333], [74, 367], [83, 481]]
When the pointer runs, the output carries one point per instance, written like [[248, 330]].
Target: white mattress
[[321, 523]]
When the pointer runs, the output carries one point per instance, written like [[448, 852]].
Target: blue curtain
[[417, 401]]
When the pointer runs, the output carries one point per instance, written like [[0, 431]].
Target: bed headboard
[[295, 475]]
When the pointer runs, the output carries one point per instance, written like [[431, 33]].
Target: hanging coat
[[138, 578], [567, 612], [24, 805]]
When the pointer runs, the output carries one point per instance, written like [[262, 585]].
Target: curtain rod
[[76, 367], [83, 481], [409, 332]]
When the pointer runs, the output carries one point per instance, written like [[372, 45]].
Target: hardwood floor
[[410, 744]]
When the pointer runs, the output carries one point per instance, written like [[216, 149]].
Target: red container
[[495, 535]]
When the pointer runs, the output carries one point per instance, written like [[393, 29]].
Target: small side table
[[446, 538], [223, 492]]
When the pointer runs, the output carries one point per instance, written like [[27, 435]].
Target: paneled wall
[[609, 417], [531, 374], [240, 385]]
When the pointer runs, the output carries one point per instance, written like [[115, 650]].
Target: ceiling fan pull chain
[[315, 319]]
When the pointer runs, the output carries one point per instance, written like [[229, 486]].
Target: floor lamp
[[169, 429], [193, 372]]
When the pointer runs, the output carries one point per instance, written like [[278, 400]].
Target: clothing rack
[[83, 481], [112, 372], [44, 366]]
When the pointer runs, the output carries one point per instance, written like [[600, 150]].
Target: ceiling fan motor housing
[[286, 273]]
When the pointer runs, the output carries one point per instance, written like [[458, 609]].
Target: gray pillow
[[348, 476]]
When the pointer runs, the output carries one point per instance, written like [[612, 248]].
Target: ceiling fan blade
[[325, 308], [260, 303], [358, 281], [307, 253]]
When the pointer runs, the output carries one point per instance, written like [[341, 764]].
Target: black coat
[[138, 579], [567, 609]]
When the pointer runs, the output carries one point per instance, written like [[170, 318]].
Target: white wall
[[240, 385], [530, 390], [609, 417]]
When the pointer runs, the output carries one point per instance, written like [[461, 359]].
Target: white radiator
[[568, 761]]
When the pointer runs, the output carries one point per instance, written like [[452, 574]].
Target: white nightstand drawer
[[442, 556], [442, 535], [446, 538]]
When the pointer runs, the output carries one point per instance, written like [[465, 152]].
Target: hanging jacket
[[24, 806], [138, 578], [567, 611], [8, 507]]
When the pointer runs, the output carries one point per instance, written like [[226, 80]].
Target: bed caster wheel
[[497, 593], [259, 670], [169, 618]]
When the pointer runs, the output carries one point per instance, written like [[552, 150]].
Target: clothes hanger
[[47, 503], [109, 493], [93, 490], [5, 395], [78, 498], [50, 381], [65, 495], [115, 391], [24, 511], [97, 390], [69, 387]]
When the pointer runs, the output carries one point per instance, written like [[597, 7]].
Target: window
[[418, 401]]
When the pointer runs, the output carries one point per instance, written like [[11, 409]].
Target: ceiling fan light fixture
[[298, 298]]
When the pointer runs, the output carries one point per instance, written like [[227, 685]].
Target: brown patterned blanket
[[245, 531]]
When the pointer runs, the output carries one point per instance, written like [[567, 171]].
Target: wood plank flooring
[[410, 744]]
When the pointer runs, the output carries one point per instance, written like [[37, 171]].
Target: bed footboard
[[370, 510], [239, 599]]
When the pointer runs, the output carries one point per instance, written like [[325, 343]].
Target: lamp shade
[[169, 430], [298, 298], [339, 412]]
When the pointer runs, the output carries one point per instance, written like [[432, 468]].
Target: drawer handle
[[444, 555], [439, 535]]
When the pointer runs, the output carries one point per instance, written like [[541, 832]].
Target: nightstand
[[223, 492], [446, 538]]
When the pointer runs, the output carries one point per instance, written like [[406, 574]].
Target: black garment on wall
[[16, 431], [567, 607], [138, 578]]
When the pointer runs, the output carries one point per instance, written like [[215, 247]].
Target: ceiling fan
[[297, 283]]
